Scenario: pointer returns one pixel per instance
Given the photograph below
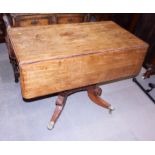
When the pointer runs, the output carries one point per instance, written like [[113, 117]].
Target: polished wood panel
[[70, 18]]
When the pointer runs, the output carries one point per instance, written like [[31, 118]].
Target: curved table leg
[[94, 93], [60, 102]]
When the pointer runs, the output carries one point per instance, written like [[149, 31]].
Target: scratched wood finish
[[67, 56]]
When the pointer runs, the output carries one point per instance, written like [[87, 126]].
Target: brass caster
[[111, 108], [50, 126]]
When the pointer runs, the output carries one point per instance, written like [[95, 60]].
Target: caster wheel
[[111, 109], [50, 126]]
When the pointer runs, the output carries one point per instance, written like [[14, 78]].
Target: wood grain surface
[[61, 57]]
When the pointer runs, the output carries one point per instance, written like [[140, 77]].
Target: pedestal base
[[94, 93]]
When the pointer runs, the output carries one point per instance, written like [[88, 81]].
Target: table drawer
[[28, 19], [33, 22], [70, 18]]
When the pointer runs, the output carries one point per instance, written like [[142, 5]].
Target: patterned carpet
[[144, 85]]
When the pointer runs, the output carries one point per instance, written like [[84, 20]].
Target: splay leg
[[94, 93], [60, 102]]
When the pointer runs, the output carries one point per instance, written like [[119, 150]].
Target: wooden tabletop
[[33, 44]]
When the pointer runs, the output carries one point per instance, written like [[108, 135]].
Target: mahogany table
[[67, 58]]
